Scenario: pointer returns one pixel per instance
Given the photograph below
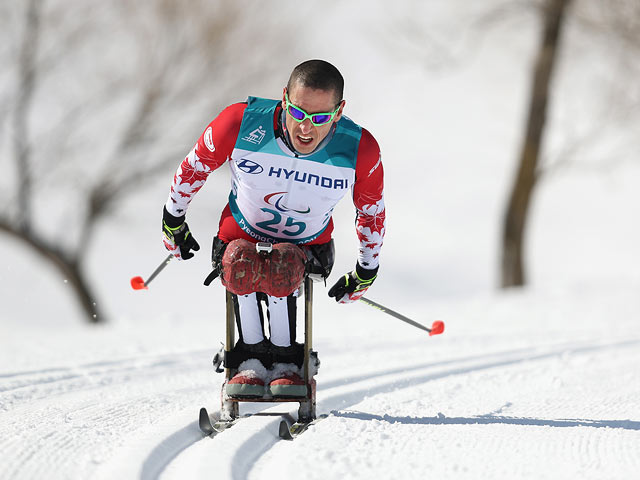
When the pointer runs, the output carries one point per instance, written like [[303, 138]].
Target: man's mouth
[[305, 140]]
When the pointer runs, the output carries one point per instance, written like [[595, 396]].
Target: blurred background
[[509, 132]]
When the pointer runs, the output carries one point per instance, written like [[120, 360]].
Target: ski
[[211, 429], [290, 432], [205, 422]]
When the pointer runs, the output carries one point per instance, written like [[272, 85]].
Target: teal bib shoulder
[[342, 150], [256, 130], [257, 135]]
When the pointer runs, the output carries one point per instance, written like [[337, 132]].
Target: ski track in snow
[[237, 453], [603, 449], [54, 418], [136, 417]]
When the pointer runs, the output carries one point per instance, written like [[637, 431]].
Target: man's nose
[[306, 125]]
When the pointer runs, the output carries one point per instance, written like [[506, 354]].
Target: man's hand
[[177, 237], [351, 286]]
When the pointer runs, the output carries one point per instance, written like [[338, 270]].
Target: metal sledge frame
[[307, 410]]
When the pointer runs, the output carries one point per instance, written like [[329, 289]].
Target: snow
[[536, 383]]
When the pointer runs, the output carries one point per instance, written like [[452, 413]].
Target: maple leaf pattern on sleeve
[[368, 198], [188, 180], [213, 148]]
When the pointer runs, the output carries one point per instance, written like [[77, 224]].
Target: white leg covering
[[252, 332], [279, 321]]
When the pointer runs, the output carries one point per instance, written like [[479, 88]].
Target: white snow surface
[[536, 383], [526, 385]]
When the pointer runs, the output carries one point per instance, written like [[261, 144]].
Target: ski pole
[[137, 283], [436, 329]]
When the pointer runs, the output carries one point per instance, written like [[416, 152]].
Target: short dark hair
[[319, 75]]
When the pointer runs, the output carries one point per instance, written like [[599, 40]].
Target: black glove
[[177, 237], [351, 286], [217, 252]]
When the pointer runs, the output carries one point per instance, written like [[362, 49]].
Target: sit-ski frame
[[307, 410]]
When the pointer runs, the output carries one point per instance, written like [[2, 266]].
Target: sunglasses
[[317, 119]]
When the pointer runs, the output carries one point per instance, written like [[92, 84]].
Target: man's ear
[[339, 114]]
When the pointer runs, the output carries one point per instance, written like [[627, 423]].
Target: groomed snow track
[[137, 417], [238, 453]]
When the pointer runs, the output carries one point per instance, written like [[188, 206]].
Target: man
[[291, 162]]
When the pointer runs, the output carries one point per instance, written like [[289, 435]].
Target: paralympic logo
[[275, 199], [249, 166]]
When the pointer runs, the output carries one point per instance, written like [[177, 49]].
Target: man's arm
[[368, 198], [213, 148], [370, 222]]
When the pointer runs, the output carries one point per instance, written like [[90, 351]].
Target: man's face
[[304, 135]]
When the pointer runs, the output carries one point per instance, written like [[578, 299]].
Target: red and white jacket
[[217, 145]]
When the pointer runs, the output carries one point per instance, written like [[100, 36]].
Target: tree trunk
[[69, 269], [513, 271]]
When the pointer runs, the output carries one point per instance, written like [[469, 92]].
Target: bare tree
[[513, 273], [19, 223], [173, 45], [616, 23]]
